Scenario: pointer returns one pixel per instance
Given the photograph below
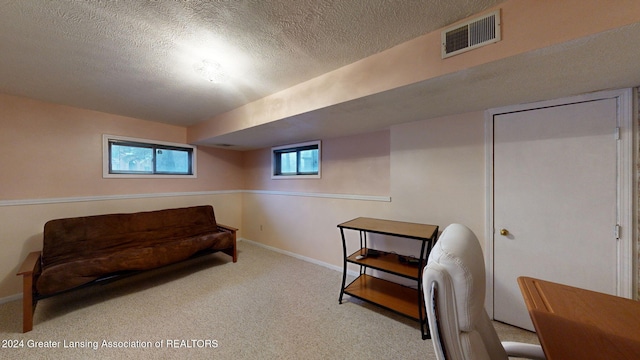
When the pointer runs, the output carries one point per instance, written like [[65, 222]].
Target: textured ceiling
[[136, 58]]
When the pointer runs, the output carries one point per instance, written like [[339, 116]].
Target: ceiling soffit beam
[[526, 26]]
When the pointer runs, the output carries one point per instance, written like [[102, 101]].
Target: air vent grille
[[472, 34]]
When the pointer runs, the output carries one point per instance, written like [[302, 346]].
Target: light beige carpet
[[265, 306]]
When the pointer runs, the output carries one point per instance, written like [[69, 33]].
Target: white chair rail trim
[[45, 201]]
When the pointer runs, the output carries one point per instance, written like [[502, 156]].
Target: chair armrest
[[528, 351], [31, 264], [227, 228]]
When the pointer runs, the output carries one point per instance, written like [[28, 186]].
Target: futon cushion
[[79, 250]]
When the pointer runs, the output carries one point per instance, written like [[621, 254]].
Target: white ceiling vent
[[471, 34]]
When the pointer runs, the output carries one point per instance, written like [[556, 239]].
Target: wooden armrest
[[30, 264], [233, 252], [227, 228], [29, 269]]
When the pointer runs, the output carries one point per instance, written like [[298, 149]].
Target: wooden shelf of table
[[390, 295], [388, 262]]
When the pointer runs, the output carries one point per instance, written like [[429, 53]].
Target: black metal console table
[[401, 299]]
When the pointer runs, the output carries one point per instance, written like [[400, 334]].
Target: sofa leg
[[28, 305], [233, 252], [29, 270]]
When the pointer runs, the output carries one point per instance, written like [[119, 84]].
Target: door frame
[[627, 183]]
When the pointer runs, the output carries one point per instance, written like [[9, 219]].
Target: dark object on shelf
[[372, 253], [409, 260]]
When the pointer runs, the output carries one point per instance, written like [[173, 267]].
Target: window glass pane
[[288, 163], [131, 159], [295, 160], [172, 161], [309, 161]]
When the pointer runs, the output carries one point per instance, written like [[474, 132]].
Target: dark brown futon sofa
[[85, 250]]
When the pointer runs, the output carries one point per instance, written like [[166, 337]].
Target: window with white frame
[[296, 161], [133, 157]]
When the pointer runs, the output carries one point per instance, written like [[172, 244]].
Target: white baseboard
[[11, 298], [301, 257]]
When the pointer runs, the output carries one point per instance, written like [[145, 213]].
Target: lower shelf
[[395, 297]]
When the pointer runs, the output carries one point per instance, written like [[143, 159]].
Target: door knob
[[504, 232]]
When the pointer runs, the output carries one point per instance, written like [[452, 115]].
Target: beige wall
[[300, 216], [51, 151], [305, 225], [350, 165], [52, 168], [436, 177], [438, 171]]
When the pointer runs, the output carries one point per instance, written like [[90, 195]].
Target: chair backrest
[[454, 291]]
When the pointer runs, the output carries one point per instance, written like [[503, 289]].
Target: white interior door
[[555, 195]]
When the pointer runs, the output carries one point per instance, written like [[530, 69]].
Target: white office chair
[[454, 289]]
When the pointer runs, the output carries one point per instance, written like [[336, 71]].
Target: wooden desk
[[574, 323]]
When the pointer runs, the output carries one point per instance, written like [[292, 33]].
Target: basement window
[[296, 161], [125, 157]]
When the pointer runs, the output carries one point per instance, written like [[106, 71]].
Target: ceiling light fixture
[[210, 70]]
